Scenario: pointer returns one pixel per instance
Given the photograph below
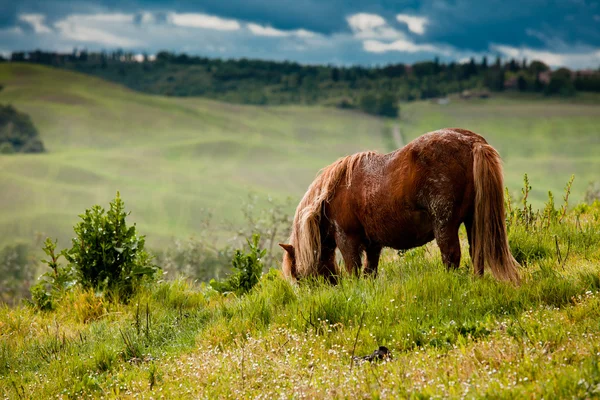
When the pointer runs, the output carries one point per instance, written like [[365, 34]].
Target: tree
[[537, 66], [561, 83], [368, 103], [494, 80], [387, 105], [522, 83], [17, 130]]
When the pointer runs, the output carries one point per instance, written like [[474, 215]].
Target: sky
[[340, 32]]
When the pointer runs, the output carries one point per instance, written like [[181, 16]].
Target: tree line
[[375, 90]]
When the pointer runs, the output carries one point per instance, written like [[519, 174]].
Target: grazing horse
[[404, 199]]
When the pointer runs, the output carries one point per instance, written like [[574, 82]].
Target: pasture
[[450, 334], [178, 160]]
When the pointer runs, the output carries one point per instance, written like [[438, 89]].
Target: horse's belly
[[412, 229]]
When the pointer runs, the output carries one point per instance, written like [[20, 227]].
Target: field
[[175, 160], [450, 335]]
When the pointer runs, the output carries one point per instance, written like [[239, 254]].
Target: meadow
[[175, 161], [450, 334], [180, 161]]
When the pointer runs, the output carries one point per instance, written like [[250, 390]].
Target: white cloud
[[371, 26], [363, 21], [146, 18], [260, 30], [415, 24], [96, 28], [36, 21], [196, 20], [402, 45], [115, 17], [583, 59], [379, 37]]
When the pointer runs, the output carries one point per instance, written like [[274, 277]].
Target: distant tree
[[17, 56], [537, 66], [561, 83], [494, 80], [17, 131], [498, 63], [335, 74], [368, 103], [387, 105], [589, 82], [522, 83]]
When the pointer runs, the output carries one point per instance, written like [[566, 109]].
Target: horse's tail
[[489, 226], [306, 231]]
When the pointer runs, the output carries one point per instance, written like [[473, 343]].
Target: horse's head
[[288, 264]]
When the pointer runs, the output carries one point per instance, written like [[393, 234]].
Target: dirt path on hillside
[[397, 136]]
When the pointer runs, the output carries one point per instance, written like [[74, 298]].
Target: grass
[[177, 160], [450, 334], [173, 159], [549, 139]]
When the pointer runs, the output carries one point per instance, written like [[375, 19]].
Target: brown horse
[[404, 199]]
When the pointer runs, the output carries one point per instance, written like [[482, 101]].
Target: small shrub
[[248, 269], [106, 253], [54, 283]]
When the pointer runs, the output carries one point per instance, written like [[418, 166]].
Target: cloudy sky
[[560, 32]]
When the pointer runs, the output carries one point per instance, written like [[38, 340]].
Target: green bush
[[17, 132], [106, 253], [248, 269], [54, 283]]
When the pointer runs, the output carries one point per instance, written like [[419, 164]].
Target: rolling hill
[[174, 160]]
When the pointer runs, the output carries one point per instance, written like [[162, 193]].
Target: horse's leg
[[351, 249], [327, 267], [373, 253], [446, 237], [478, 269]]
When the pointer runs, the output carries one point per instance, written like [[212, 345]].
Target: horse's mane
[[306, 235]]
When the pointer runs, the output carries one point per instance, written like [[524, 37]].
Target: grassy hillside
[[172, 159], [451, 335], [176, 159], [546, 138]]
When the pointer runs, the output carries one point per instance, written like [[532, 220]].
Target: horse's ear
[[288, 247]]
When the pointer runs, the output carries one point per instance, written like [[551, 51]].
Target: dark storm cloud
[[453, 29]]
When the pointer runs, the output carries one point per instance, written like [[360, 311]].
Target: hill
[[450, 335], [175, 160], [172, 159]]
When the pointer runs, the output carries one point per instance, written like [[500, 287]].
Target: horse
[[404, 199]]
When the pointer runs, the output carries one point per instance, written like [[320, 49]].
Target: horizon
[[139, 58], [314, 32]]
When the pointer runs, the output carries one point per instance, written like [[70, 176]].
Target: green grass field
[[451, 335], [175, 159], [548, 139], [172, 159]]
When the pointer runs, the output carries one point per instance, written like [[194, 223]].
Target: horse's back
[[398, 198]]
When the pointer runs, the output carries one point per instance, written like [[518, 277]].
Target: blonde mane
[[306, 234]]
